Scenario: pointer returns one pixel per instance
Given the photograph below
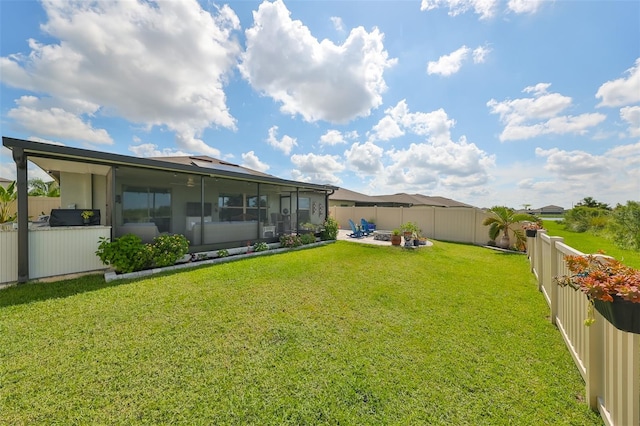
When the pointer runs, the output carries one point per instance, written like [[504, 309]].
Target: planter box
[[622, 314]]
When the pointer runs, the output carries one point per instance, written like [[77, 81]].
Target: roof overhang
[[55, 158]]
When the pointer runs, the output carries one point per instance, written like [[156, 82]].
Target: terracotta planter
[[622, 314], [396, 240]]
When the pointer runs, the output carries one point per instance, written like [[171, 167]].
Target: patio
[[343, 235]]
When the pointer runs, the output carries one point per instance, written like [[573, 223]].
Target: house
[[345, 198], [5, 182], [546, 210], [214, 203]]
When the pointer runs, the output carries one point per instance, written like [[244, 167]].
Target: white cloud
[[107, 49], [484, 8], [613, 175], [147, 150], [330, 82], [365, 158], [332, 137], [480, 54], [632, 116], [439, 162], [448, 64], [398, 119], [322, 169], [387, 128], [526, 118], [524, 6], [251, 161], [285, 144], [623, 91], [40, 117], [573, 164], [337, 23]]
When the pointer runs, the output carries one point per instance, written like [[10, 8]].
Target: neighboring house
[[547, 210], [5, 182], [214, 203], [346, 198]]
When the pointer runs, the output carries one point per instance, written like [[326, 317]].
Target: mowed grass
[[345, 334], [587, 242]]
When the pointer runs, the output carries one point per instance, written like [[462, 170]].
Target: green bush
[[167, 249], [260, 246], [290, 241], [330, 231], [625, 225], [125, 254], [223, 253], [308, 238], [583, 218]]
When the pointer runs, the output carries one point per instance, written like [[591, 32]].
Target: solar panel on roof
[[228, 167]]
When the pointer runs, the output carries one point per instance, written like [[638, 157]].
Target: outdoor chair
[[366, 229], [355, 232]]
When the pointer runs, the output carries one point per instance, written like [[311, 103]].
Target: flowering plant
[[530, 226], [601, 278]]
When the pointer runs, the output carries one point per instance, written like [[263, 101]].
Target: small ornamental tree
[[502, 219]]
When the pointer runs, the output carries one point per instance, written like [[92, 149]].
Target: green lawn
[[340, 334], [587, 242]]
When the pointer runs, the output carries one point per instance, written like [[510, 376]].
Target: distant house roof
[[394, 200], [3, 180]]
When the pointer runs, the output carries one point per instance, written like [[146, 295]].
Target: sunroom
[[215, 204]]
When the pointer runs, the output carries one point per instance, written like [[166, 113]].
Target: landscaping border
[[234, 254]]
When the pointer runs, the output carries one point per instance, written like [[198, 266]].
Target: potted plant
[[396, 237], [611, 287], [86, 215], [410, 231], [502, 219], [531, 228]]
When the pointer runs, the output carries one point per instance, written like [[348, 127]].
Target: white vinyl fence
[[458, 224], [53, 251], [608, 359]]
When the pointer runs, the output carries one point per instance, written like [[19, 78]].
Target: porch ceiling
[[53, 166]]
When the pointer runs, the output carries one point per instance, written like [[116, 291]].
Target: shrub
[[308, 238], [625, 225], [583, 218], [260, 246], [290, 241], [167, 249], [223, 253], [330, 231], [125, 254]]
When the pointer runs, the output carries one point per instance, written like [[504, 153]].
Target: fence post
[[553, 271], [594, 341], [538, 262]]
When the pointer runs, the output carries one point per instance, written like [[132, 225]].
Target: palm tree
[[40, 188], [501, 220]]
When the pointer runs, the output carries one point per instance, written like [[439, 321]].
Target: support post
[[23, 214], [553, 272]]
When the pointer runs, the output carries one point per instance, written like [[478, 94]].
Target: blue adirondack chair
[[366, 228], [355, 232]]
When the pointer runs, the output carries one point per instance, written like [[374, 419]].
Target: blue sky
[[487, 102]]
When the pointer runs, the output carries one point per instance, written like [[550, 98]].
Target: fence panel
[[608, 359], [459, 224], [8, 256]]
